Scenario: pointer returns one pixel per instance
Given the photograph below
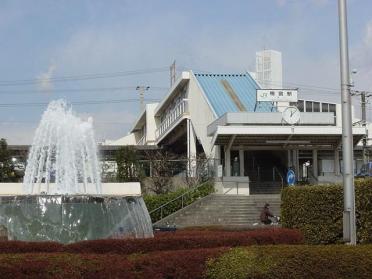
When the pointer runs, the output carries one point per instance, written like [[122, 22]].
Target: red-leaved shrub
[[180, 264], [188, 240], [30, 247], [178, 240]]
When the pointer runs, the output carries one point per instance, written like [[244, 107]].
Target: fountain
[[62, 197]]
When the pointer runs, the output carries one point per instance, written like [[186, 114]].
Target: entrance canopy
[[268, 130]]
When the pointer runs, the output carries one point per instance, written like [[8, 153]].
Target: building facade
[[252, 144]]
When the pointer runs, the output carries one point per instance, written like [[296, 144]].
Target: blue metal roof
[[231, 93]]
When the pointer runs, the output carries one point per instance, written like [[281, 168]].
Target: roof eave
[[139, 122], [181, 80]]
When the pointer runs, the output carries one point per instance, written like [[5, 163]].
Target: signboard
[[291, 177], [276, 95]]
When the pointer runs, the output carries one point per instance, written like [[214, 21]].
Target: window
[[324, 107], [316, 107], [332, 108], [309, 106], [280, 93], [272, 93], [289, 93], [300, 105]]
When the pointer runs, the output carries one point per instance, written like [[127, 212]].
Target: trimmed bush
[[154, 201], [167, 264], [30, 247], [188, 240], [317, 211], [255, 262], [163, 241], [300, 261]]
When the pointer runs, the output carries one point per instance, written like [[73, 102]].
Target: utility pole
[[349, 226], [364, 123], [172, 69], [141, 90]]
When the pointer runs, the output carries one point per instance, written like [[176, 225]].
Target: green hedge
[[317, 211], [295, 261], [154, 201]]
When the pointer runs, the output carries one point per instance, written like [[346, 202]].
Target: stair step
[[226, 210]]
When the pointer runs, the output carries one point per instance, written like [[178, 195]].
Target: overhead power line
[[38, 121], [301, 86], [77, 103], [83, 77], [81, 90]]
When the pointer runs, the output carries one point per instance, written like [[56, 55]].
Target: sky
[[91, 50]]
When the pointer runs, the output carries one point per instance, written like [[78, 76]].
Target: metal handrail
[[171, 118], [310, 173], [275, 169], [177, 198], [237, 189], [142, 140]]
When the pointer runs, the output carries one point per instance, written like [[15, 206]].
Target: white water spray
[[64, 153]]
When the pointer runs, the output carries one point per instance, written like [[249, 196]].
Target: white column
[[217, 158], [227, 161], [228, 156], [337, 162], [241, 162], [315, 163], [296, 163], [191, 149]]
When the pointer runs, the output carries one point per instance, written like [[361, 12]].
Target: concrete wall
[[150, 123], [201, 114], [232, 185], [109, 189], [127, 140]]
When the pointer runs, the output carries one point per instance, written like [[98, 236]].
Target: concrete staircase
[[223, 210], [265, 187]]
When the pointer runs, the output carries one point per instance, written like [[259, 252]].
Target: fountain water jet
[[64, 152], [62, 197]]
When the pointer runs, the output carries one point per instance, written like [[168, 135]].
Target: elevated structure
[[250, 142], [269, 70]]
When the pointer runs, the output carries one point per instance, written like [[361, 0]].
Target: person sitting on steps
[[265, 214]]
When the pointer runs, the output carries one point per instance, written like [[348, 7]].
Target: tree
[[7, 173], [128, 165], [161, 171], [199, 170]]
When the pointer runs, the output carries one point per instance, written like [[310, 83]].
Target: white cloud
[[109, 124], [45, 82]]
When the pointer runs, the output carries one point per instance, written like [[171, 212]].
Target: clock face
[[291, 115]]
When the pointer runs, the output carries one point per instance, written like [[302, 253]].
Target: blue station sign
[[291, 177]]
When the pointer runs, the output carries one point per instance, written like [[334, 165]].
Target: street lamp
[[349, 224]]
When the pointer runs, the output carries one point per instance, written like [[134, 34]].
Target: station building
[[251, 144]]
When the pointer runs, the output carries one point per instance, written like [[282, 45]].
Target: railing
[[311, 177], [182, 199], [276, 171], [266, 173], [232, 188], [142, 140], [172, 117]]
